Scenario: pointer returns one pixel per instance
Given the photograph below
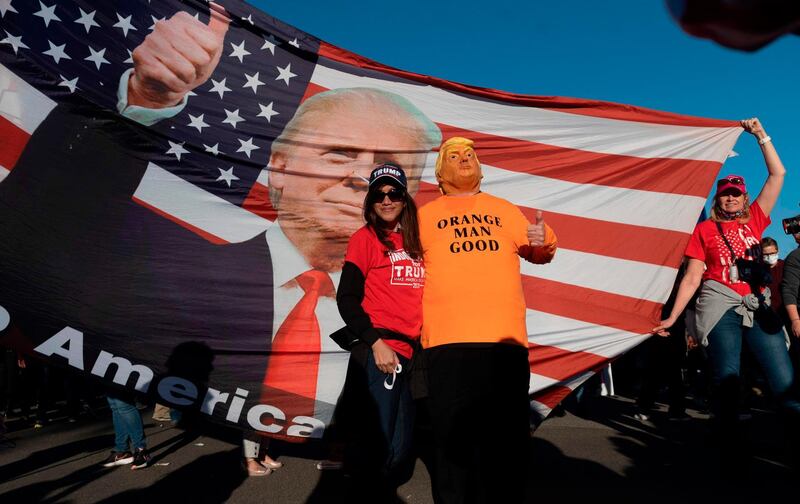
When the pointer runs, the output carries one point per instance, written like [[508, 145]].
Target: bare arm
[[687, 288], [795, 319], [772, 187]]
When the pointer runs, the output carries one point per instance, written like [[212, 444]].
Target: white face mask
[[770, 259]]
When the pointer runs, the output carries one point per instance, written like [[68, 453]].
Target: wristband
[[764, 140]]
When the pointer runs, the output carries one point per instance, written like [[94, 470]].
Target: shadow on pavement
[[210, 479], [687, 461]]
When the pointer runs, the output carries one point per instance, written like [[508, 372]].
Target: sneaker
[[329, 465], [141, 459], [118, 459], [642, 417]]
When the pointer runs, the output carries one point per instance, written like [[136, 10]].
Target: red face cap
[[731, 182]]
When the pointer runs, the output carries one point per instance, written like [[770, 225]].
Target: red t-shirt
[[707, 245], [393, 285]]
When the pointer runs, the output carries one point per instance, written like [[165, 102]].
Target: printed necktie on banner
[[290, 381]]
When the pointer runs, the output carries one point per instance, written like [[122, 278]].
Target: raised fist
[[180, 54]]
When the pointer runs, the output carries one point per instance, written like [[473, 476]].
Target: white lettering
[[212, 398], [237, 403], [5, 318], [306, 427], [55, 346], [177, 390], [258, 411], [124, 370]]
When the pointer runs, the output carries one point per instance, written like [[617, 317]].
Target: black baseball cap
[[388, 173]]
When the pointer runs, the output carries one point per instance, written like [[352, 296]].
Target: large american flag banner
[[622, 187]]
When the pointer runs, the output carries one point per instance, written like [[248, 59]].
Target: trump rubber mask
[[458, 170]]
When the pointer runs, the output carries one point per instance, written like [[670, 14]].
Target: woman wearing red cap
[[724, 255], [380, 300]]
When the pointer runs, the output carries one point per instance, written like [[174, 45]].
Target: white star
[[233, 117], [285, 74], [197, 122], [72, 85], [5, 6], [213, 149], [130, 56], [47, 13], [87, 19], [253, 82], [177, 149], [269, 43], [227, 175], [57, 52], [124, 24], [267, 111], [155, 20], [15, 42], [295, 43], [249, 18], [97, 57], [247, 146], [219, 87], [239, 51]]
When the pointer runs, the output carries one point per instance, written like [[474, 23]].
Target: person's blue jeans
[[769, 350], [395, 409], [376, 422], [127, 425]]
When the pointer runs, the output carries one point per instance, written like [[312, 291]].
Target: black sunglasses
[[395, 195], [732, 180]]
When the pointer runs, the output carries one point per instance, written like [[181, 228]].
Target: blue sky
[[625, 51]]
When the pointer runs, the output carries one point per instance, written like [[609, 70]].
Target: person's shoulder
[[705, 226], [362, 233], [794, 256], [496, 200], [758, 213], [431, 206]]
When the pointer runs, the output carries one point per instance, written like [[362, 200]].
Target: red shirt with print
[[392, 288], [707, 245]]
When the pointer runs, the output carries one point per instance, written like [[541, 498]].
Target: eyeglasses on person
[[395, 195]]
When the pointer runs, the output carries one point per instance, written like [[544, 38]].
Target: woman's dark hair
[[409, 226], [768, 242]]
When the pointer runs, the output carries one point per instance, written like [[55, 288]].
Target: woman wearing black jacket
[[380, 300]]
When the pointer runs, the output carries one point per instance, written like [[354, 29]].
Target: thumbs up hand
[[180, 54], [536, 231]]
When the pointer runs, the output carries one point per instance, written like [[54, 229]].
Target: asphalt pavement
[[605, 454]]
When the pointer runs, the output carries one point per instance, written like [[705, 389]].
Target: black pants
[[480, 414], [376, 423], [664, 360]]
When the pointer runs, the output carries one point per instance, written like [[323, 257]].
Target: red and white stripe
[[22, 109], [621, 186]]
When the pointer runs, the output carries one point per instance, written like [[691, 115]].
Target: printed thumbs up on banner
[[180, 54]]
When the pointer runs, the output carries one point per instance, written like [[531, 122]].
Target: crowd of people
[[442, 321], [733, 296]]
